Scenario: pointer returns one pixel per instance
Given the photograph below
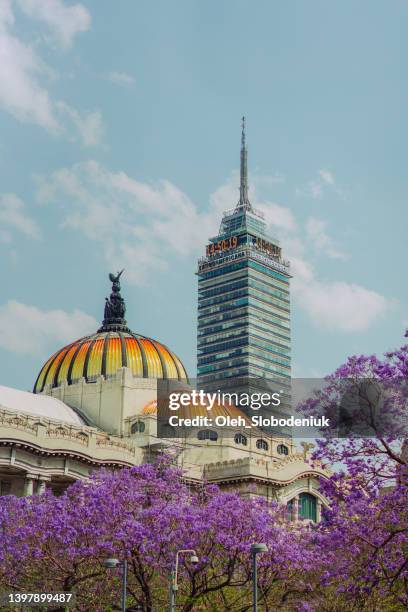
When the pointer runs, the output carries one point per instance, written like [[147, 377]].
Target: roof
[[104, 353], [39, 405]]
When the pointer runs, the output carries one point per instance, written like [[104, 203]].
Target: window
[[138, 427], [239, 438], [207, 434], [307, 507], [262, 444], [289, 510], [5, 487], [283, 449]]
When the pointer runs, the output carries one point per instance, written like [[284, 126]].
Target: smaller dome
[[38, 405], [150, 408], [190, 411]]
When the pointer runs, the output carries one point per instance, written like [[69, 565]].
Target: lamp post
[[112, 564], [255, 550], [173, 576]]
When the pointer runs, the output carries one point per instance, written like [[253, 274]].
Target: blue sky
[[120, 132]]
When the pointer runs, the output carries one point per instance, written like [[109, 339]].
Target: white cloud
[[23, 92], [336, 306], [316, 187], [320, 240], [6, 14], [303, 271], [5, 236], [20, 91], [14, 215], [64, 21], [88, 125], [326, 176], [278, 216], [226, 196], [339, 306], [120, 78], [137, 225], [142, 226], [316, 190], [26, 329]]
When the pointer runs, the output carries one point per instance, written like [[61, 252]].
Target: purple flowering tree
[[357, 559], [366, 401], [145, 514], [365, 537]]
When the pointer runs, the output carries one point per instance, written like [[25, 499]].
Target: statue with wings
[[115, 307], [114, 278]]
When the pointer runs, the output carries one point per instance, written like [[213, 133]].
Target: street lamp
[[173, 576], [113, 564], [255, 550]]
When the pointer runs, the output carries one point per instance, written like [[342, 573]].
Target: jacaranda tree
[[365, 536], [356, 559], [145, 514]]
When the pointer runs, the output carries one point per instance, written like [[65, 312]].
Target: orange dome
[[114, 346], [104, 353], [150, 408]]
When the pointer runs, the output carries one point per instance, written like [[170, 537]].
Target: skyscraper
[[243, 298]]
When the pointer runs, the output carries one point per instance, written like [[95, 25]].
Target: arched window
[[138, 427], [307, 507], [283, 449], [207, 434], [239, 438], [262, 444]]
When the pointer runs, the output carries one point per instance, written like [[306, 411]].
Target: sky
[[119, 148]]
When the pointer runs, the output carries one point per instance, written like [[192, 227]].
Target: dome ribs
[[143, 355], [71, 365], [62, 355], [45, 367], [124, 353], [103, 354], [87, 357], [162, 360]]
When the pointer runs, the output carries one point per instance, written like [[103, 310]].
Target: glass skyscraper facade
[[243, 299]]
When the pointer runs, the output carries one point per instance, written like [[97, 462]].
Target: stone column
[[318, 510], [42, 480], [29, 484]]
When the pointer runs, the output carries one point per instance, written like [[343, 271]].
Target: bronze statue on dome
[[115, 307], [115, 280]]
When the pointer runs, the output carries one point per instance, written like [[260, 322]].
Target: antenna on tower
[[244, 202]]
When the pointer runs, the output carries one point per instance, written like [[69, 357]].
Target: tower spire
[[243, 187]]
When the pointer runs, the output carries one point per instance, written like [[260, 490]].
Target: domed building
[[94, 404], [111, 374]]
